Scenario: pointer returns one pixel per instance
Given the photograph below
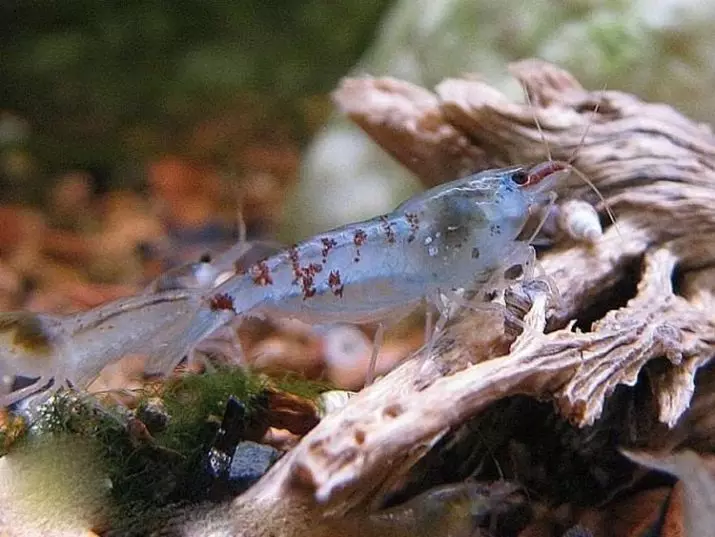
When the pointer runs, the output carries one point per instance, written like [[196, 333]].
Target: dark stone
[[231, 432], [238, 425], [250, 462], [578, 531]]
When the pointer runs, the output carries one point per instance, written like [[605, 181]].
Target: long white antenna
[[588, 126], [578, 172], [536, 120]]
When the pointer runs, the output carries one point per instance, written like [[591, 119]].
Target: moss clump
[[196, 403], [296, 385], [149, 472], [146, 473], [138, 471]]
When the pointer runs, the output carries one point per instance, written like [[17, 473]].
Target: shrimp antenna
[[582, 175], [240, 221], [552, 201], [578, 172], [536, 120], [593, 187], [588, 127]]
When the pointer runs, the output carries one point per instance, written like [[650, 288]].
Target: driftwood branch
[[656, 170]]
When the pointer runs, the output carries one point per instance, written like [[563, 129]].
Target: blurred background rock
[[661, 50], [231, 93]]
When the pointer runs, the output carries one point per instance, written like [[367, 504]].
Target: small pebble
[[250, 462], [333, 400]]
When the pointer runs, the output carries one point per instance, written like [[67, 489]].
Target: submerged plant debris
[[154, 456]]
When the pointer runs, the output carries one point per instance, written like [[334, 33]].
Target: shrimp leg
[[376, 345], [433, 329], [521, 255]]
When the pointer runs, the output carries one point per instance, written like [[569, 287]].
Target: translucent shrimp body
[[205, 275], [450, 237], [73, 349], [453, 236]]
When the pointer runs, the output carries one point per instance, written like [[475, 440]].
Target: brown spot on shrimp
[[262, 274], [309, 289], [328, 244], [387, 227], [335, 283], [359, 239], [295, 263], [414, 222], [304, 275], [220, 302], [307, 279]]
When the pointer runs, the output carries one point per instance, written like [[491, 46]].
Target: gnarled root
[[643, 291]]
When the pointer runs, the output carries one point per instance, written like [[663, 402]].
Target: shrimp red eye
[[520, 177]]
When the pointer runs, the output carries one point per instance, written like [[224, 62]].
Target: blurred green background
[[240, 87], [101, 84]]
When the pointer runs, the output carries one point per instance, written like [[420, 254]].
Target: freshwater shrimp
[[207, 272], [464, 234], [453, 236]]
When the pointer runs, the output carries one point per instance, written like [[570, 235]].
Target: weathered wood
[[656, 170]]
